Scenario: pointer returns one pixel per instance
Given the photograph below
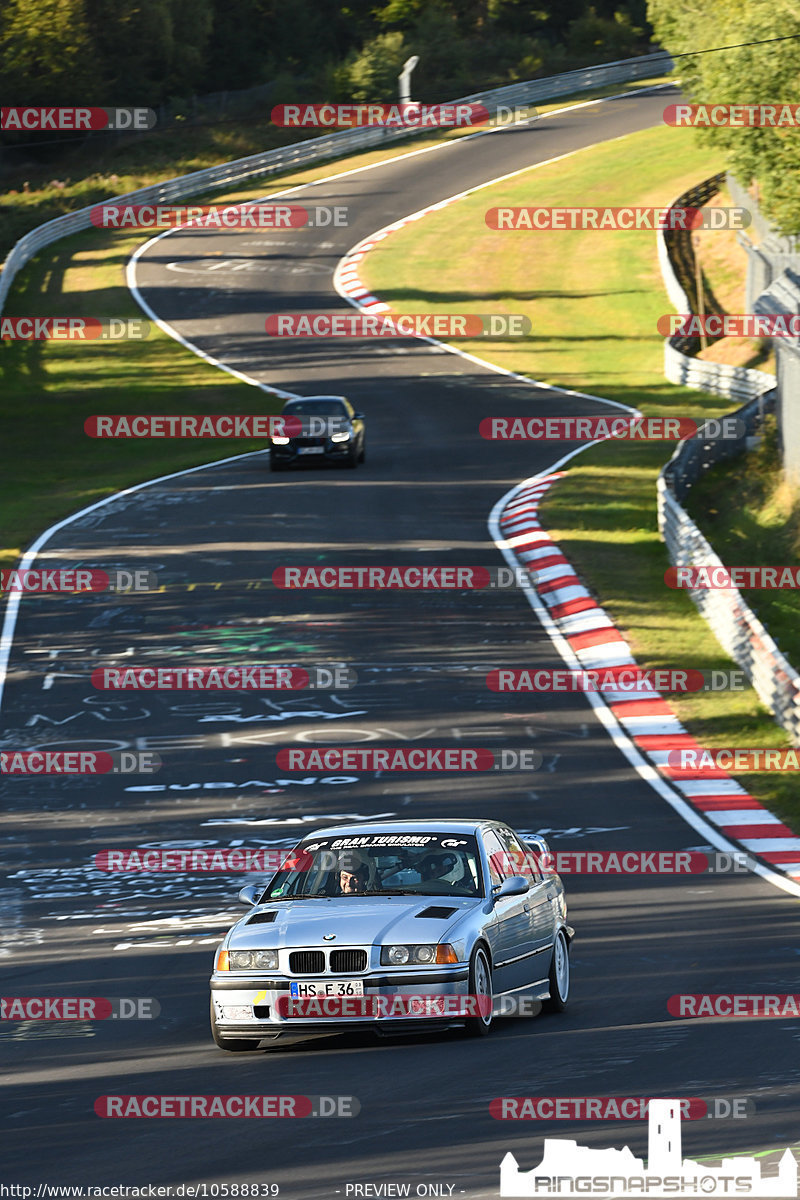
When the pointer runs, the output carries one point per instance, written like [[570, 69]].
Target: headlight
[[398, 956], [344, 436], [280, 441], [254, 960]]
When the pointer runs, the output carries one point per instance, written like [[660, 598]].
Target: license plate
[[310, 449], [307, 988]]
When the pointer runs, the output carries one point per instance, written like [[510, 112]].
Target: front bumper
[[260, 1007]]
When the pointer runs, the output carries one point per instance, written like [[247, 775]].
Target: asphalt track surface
[[422, 498]]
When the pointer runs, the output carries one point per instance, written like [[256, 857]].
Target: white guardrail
[[733, 623], [332, 145]]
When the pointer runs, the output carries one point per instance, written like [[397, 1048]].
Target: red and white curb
[[647, 718], [643, 726]]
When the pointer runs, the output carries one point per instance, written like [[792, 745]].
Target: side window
[[498, 866], [520, 860]]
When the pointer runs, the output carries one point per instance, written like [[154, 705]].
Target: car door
[[540, 907], [510, 927]]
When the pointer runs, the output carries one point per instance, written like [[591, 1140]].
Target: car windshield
[[315, 408], [428, 864]]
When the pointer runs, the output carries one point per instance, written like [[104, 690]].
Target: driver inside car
[[356, 874]]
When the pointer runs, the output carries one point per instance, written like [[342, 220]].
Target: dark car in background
[[332, 432]]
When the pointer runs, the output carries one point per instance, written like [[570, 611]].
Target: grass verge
[[594, 299]]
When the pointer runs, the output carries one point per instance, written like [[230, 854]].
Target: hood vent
[[262, 918], [437, 913]]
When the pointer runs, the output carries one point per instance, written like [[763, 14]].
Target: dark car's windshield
[[429, 864], [315, 408]]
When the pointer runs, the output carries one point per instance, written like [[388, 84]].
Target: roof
[[427, 826]]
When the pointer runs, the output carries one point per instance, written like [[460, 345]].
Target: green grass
[[594, 299]]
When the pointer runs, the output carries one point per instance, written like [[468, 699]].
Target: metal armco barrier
[[332, 145], [676, 259], [733, 623]]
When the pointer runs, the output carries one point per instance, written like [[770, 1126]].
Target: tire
[[559, 975], [274, 465], [362, 456], [233, 1045], [480, 984], [352, 459]]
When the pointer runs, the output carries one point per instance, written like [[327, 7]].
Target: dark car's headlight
[[400, 956], [343, 436], [279, 441], [253, 960]]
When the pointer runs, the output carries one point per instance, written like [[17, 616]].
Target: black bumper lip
[[333, 1025]]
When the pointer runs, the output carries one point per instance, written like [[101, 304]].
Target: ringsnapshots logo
[[74, 329], [251, 678], [570, 1170], [76, 120], [615, 219], [398, 325]]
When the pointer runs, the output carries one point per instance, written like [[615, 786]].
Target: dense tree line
[[147, 52], [751, 74]]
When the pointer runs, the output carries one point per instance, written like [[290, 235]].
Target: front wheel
[[559, 975], [233, 1045], [480, 987]]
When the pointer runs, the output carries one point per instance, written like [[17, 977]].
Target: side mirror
[[514, 886], [248, 893], [358, 416]]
